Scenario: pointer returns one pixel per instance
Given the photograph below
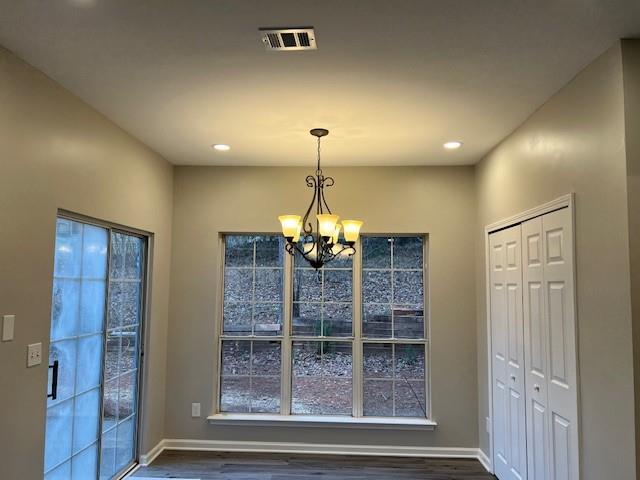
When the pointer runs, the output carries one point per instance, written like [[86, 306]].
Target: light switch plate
[[487, 425], [8, 322], [195, 410], [34, 354]]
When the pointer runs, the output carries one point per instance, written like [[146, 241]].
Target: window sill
[[266, 420]]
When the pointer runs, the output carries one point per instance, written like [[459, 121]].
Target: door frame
[[144, 315], [565, 201]]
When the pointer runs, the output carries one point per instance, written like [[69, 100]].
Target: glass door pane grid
[[80, 442], [114, 457]]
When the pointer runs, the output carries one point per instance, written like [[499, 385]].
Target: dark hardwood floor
[[270, 466]]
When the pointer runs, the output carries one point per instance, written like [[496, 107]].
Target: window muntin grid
[[393, 287], [251, 376], [319, 367], [253, 285], [417, 387], [394, 380], [322, 299]]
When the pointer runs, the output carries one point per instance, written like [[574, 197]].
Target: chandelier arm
[[326, 182], [316, 263], [328, 254], [291, 249], [345, 249], [319, 195], [306, 225]]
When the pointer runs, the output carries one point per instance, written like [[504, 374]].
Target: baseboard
[[151, 455], [313, 448], [484, 460]]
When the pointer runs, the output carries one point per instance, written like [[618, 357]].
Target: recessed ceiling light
[[221, 147], [452, 145]]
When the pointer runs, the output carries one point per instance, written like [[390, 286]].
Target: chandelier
[[319, 247]]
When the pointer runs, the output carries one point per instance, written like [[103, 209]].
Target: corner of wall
[[631, 81]]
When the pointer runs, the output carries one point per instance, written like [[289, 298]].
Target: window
[[393, 310], [251, 343], [322, 335], [347, 340]]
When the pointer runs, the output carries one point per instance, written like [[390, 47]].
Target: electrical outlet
[[195, 410], [34, 354]]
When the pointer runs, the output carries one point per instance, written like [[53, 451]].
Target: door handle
[[513, 378], [54, 380], [536, 388]]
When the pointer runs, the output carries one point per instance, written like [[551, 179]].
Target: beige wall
[[438, 201], [56, 152], [631, 74], [575, 143]]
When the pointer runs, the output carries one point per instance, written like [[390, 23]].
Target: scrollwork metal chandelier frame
[[315, 247]]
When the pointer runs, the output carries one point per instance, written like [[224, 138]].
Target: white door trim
[[565, 201]]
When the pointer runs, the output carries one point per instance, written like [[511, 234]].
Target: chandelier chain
[[319, 170]]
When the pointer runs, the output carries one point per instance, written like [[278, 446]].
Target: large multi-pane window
[[349, 339]]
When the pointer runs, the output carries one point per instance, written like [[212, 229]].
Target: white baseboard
[[313, 448], [151, 455], [484, 460]]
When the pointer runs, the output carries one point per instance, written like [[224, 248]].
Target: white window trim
[[357, 420], [278, 419]]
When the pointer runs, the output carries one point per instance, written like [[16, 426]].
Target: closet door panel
[[535, 341], [537, 441], [562, 384], [499, 353], [507, 332]]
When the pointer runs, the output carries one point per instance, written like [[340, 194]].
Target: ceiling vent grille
[[289, 38]]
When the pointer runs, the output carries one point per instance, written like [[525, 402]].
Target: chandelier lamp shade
[[323, 244]]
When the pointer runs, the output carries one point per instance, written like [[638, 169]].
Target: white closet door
[[535, 340], [557, 231], [508, 354]]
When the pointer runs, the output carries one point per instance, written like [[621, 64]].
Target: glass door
[[94, 353], [122, 359]]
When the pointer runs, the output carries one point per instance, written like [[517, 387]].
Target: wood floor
[[269, 466]]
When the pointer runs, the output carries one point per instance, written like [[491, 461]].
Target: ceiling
[[392, 79]]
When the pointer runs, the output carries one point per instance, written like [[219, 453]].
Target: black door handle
[[54, 381]]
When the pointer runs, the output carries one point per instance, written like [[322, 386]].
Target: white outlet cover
[[34, 354], [195, 410]]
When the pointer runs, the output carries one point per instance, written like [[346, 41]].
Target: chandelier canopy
[[324, 244]]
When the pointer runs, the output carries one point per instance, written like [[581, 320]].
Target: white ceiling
[[391, 79]]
